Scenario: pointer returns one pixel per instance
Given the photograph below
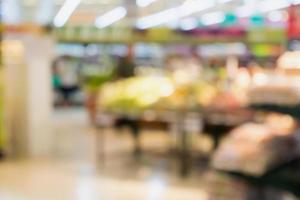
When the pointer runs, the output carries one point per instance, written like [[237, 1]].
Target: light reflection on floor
[[75, 174], [54, 180]]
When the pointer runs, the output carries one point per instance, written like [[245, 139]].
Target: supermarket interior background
[[150, 99]]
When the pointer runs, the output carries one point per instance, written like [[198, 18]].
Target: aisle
[[75, 172], [50, 180], [74, 137]]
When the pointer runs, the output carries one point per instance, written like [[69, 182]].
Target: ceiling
[[44, 11]]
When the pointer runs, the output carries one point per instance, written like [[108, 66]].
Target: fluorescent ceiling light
[[248, 9], [224, 1], [296, 2], [65, 12], [278, 16], [212, 18], [271, 5], [244, 11], [174, 13], [144, 3], [188, 23], [173, 24], [265, 6], [110, 17], [158, 18]]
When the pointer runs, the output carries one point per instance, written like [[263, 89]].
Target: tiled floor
[[75, 172]]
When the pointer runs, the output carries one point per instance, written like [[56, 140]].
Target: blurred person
[[56, 82], [91, 106], [194, 61], [126, 66], [68, 80]]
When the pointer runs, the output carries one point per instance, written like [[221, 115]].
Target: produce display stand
[[286, 176], [163, 120], [218, 123], [136, 124], [184, 121]]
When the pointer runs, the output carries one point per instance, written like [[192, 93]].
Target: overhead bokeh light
[[257, 20]]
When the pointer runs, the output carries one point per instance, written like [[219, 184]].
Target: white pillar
[[28, 95]]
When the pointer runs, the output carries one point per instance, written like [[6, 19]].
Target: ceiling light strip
[[110, 17], [65, 12], [213, 18], [175, 13], [264, 7], [144, 3]]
